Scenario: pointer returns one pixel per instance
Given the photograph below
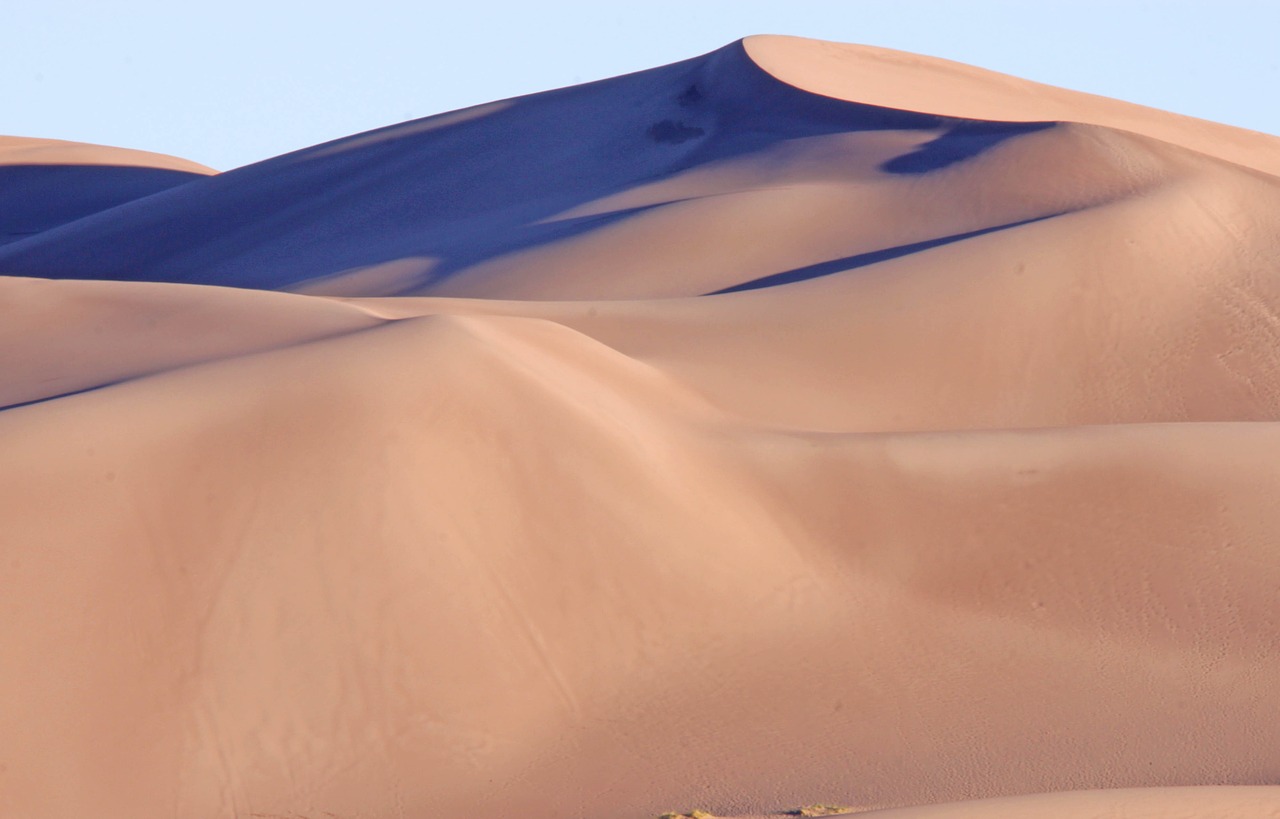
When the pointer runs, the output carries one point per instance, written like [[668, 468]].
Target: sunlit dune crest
[[802, 428]]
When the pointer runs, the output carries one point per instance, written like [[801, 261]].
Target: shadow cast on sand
[[840, 265], [36, 198], [473, 185]]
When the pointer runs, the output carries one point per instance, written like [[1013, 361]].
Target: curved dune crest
[[692, 178], [689, 439], [45, 183], [882, 76], [16, 150]]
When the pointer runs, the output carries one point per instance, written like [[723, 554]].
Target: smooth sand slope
[[47, 182], [796, 424]]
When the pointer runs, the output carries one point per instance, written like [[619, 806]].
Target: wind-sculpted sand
[[800, 424]]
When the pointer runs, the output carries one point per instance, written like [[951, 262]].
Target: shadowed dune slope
[[463, 188], [45, 183], [466, 203], [685, 440]]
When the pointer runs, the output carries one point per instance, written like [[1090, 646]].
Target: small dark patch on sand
[[674, 132], [691, 96]]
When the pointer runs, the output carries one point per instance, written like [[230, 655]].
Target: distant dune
[[45, 183], [800, 424]]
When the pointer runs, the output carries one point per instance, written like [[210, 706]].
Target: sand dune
[[881, 76], [45, 183], [29, 151], [1190, 803], [797, 424]]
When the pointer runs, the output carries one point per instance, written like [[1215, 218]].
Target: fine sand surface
[[797, 424], [48, 182]]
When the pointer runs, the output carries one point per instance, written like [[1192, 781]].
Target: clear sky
[[231, 82]]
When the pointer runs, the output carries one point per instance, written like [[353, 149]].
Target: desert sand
[[48, 182], [797, 424]]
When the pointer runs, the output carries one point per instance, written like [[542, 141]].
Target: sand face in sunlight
[[798, 425]]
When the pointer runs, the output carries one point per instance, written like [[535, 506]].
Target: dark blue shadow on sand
[[36, 198], [44, 399], [470, 186], [840, 265], [962, 141]]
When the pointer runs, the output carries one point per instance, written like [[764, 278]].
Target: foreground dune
[[796, 424], [1120, 803]]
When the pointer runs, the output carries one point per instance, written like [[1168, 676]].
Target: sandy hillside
[[796, 424], [48, 182]]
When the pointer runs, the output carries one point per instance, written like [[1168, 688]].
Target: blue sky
[[233, 82]]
